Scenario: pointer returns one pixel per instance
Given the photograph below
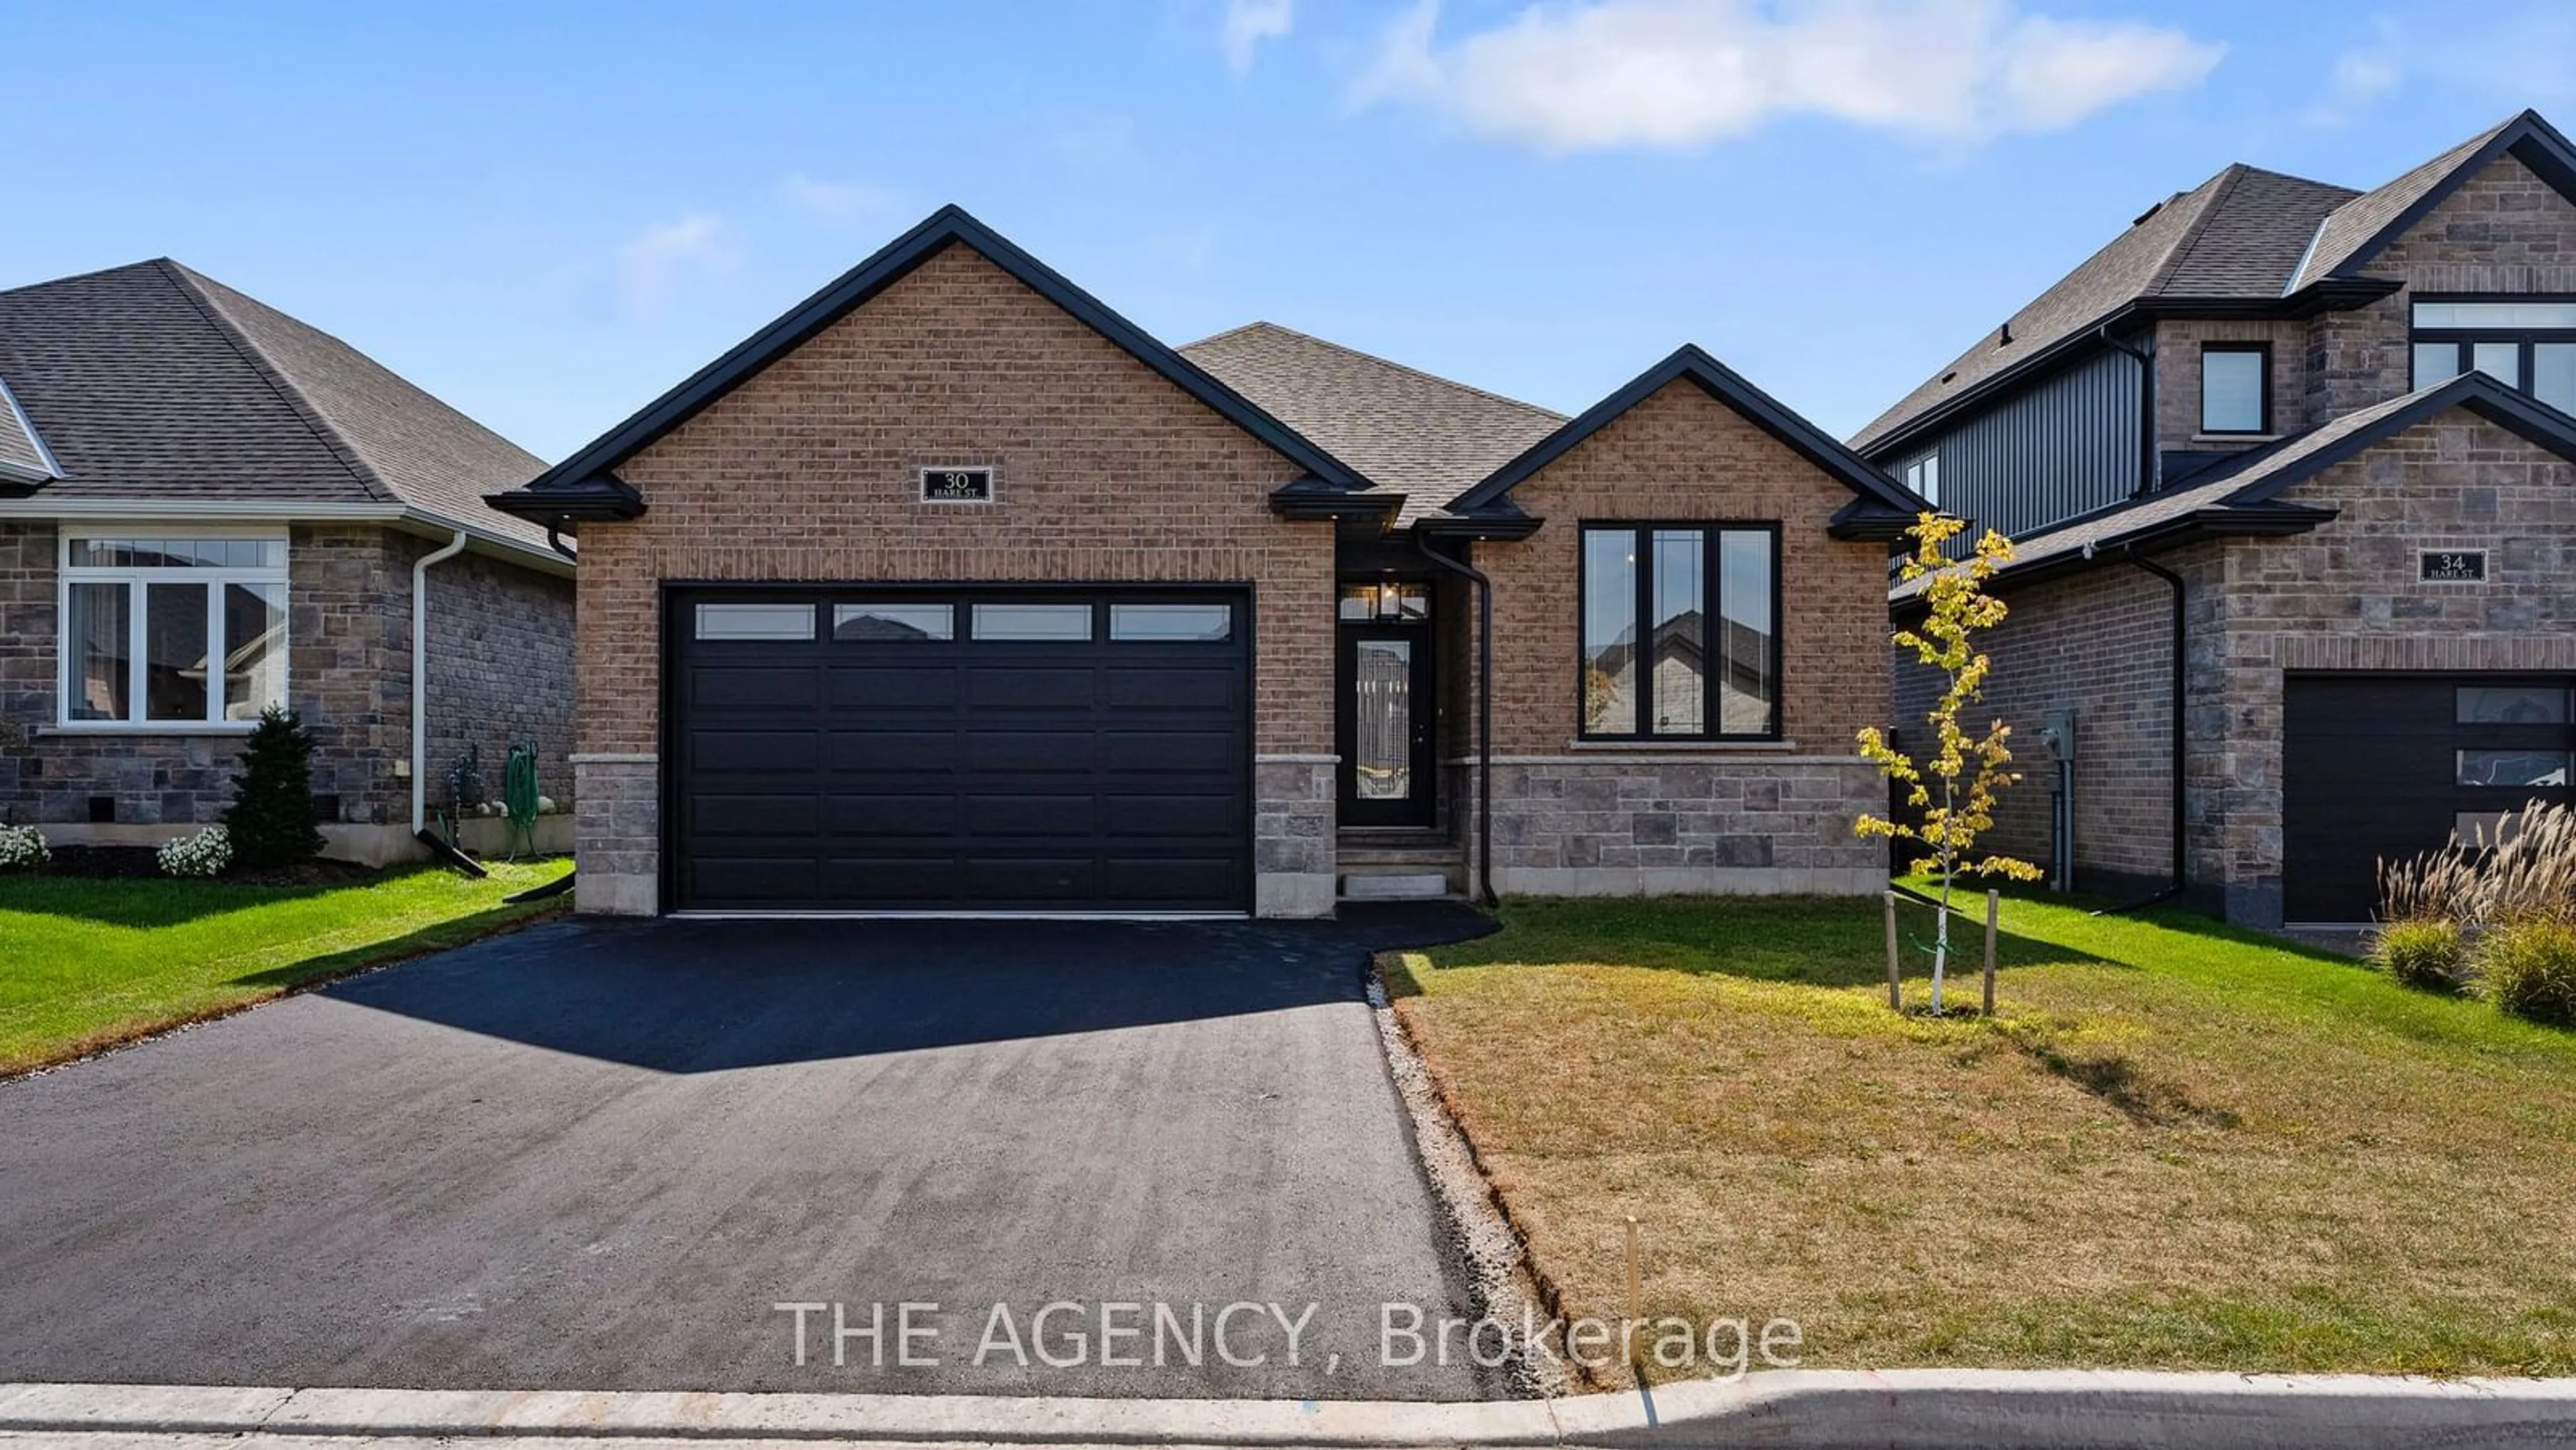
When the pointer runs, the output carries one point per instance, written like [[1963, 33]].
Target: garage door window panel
[[2512, 705], [1171, 623], [894, 623], [1050, 622], [2515, 768], [718, 622]]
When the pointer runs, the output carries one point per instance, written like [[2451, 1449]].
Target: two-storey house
[[2288, 469]]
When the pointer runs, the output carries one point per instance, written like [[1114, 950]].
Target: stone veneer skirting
[[1676, 824], [1293, 813], [617, 814]]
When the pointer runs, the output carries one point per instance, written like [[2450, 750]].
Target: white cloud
[[2362, 75], [1570, 77], [653, 260], [839, 202], [1250, 22]]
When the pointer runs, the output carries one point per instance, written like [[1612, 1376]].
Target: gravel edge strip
[[1504, 1284]]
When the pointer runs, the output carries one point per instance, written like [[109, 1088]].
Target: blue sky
[[548, 213]]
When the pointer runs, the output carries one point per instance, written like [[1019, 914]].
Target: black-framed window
[[2235, 387], [2527, 343], [1923, 475], [1680, 631]]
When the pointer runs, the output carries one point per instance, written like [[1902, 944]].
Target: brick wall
[[2178, 348], [500, 669], [2504, 230], [2098, 644], [348, 676], [1590, 817], [1105, 471]]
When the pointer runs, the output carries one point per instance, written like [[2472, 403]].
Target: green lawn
[[88, 963], [2176, 1145]]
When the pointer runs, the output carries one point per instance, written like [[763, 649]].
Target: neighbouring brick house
[[2288, 468], [953, 590], [207, 507]]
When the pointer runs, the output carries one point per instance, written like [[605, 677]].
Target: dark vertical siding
[[2065, 447]]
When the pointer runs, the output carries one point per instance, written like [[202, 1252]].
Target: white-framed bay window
[[171, 628]]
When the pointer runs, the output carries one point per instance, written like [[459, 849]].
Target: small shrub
[[2529, 969], [271, 818], [23, 848], [204, 854], [2424, 953]]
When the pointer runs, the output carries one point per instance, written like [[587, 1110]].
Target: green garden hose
[[519, 797]]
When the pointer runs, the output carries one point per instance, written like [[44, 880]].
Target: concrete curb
[[1968, 1409]]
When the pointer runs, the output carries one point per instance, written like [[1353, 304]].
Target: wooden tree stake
[[1895, 992], [1994, 903]]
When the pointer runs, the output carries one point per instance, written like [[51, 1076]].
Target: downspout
[[1484, 713], [2174, 582], [420, 677], [2146, 407]]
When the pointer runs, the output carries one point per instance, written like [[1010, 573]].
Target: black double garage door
[[1004, 749]]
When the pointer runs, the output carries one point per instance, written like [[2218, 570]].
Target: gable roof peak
[[591, 467], [2358, 231], [1881, 508]]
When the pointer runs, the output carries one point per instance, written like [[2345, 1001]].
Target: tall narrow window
[[1923, 476], [1680, 644], [2235, 387], [1610, 632], [172, 632], [1679, 632], [1748, 689]]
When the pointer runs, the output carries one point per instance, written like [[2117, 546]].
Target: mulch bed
[[134, 862]]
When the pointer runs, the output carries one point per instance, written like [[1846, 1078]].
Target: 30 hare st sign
[[957, 485]]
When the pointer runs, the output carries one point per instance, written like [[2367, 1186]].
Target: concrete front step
[[1395, 886]]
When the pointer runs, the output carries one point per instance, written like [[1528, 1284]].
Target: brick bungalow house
[[207, 507], [2289, 470], [952, 590]]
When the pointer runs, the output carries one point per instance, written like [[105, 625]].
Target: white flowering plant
[[23, 848], [204, 854]]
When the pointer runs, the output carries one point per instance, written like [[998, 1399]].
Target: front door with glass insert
[[1385, 682]]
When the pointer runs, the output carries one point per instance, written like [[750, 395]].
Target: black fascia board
[[1500, 523], [603, 497], [1862, 521], [2533, 141], [950, 225], [1314, 498], [2198, 526], [1725, 385]]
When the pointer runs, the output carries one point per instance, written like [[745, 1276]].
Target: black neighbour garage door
[[859, 748], [2388, 766]]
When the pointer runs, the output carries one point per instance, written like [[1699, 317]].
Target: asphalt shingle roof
[[154, 381], [1405, 430], [2239, 234]]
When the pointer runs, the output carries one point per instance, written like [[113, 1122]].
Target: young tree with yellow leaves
[[1955, 787]]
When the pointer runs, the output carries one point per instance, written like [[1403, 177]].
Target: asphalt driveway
[[598, 1155]]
